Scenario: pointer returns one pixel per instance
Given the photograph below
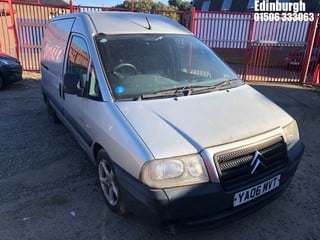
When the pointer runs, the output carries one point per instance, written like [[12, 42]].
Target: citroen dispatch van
[[175, 134]]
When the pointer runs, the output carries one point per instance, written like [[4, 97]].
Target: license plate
[[256, 191]]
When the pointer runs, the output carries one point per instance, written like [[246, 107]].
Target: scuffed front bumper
[[199, 206]]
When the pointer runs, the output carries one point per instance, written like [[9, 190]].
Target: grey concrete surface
[[49, 190]]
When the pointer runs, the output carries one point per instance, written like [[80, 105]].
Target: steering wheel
[[123, 70]]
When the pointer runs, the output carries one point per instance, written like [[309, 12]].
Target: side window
[[250, 6], [93, 89], [226, 5], [205, 5], [78, 61]]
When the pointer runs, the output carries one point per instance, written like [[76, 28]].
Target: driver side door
[[77, 65]]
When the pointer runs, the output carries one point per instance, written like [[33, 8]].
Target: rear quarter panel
[[52, 56]]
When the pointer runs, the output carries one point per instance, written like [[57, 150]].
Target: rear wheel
[[109, 184]]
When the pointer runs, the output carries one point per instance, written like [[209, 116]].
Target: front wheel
[[109, 184]]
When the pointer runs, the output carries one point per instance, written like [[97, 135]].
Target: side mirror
[[70, 84]]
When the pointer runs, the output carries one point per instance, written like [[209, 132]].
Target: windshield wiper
[[226, 83], [186, 90], [219, 86], [174, 92]]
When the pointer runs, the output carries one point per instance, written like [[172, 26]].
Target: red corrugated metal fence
[[272, 51], [8, 40]]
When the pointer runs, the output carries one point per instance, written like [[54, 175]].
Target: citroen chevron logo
[[256, 161]]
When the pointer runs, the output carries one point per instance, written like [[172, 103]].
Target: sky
[[104, 3]]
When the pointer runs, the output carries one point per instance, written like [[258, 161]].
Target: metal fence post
[[248, 49], [13, 28], [308, 52], [73, 9], [192, 24]]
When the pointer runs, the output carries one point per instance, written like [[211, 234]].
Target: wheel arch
[[95, 150]]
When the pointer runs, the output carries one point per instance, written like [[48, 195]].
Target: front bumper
[[11, 74], [199, 206]]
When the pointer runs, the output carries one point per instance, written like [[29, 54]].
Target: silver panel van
[[175, 134]]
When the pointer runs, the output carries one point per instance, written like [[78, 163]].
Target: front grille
[[235, 169]]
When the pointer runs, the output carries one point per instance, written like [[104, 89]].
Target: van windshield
[[149, 66]]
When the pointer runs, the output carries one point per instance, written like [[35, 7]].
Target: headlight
[[174, 172], [291, 134]]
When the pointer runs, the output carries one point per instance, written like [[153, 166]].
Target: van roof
[[129, 23]]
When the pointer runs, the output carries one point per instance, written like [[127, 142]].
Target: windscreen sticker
[[120, 89]]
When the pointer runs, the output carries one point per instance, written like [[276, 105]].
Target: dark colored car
[[294, 60], [10, 70]]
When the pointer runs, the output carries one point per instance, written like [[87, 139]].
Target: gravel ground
[[49, 190]]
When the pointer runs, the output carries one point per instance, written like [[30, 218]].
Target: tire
[[52, 114], [109, 184]]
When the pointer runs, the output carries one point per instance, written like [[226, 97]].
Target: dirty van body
[[175, 134]]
